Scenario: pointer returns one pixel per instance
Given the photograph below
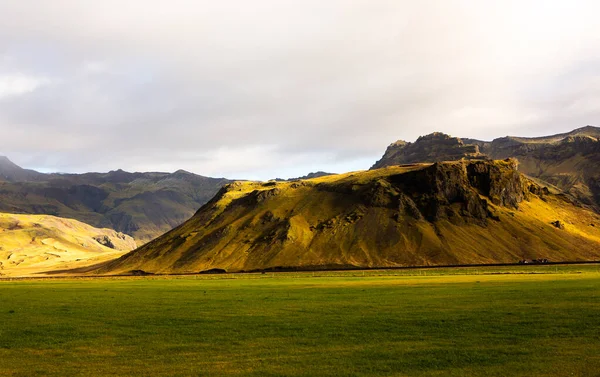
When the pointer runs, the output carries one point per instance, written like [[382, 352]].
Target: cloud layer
[[266, 88]]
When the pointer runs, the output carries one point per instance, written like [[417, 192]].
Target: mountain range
[[440, 200], [142, 205], [570, 161], [445, 213]]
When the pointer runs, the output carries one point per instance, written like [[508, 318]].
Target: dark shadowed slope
[[143, 205], [570, 161], [422, 214], [434, 147], [11, 172]]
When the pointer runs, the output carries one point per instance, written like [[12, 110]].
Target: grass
[[503, 321]]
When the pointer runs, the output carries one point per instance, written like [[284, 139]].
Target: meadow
[[502, 321]]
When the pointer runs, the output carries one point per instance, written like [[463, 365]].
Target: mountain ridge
[[466, 212], [143, 205], [570, 160]]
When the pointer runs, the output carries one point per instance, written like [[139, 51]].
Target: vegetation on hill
[[38, 243], [421, 214], [569, 161], [143, 205]]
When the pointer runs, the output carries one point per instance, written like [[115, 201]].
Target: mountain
[[143, 205], [569, 161], [448, 213], [430, 148], [35, 243], [11, 172], [311, 175]]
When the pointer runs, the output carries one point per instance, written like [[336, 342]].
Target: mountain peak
[[5, 161], [182, 172], [586, 131], [433, 147], [14, 173]]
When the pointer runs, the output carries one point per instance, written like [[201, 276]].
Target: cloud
[[18, 84], [279, 87]]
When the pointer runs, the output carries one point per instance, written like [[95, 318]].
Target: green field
[[517, 321]]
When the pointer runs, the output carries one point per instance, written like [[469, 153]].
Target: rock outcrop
[[435, 147], [569, 161]]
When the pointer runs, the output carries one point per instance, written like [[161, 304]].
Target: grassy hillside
[[36, 243], [421, 214]]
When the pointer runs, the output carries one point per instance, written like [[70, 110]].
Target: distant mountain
[[312, 175], [143, 205], [35, 243], [569, 161], [430, 148], [447, 213], [11, 172]]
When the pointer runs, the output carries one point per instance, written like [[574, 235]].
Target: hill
[[569, 161], [421, 214], [143, 205], [36, 243], [11, 172]]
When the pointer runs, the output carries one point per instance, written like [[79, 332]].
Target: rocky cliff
[[569, 161], [429, 148]]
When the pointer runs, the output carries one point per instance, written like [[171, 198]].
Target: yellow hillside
[[424, 214], [37, 243]]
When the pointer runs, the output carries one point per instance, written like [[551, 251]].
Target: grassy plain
[[504, 321]]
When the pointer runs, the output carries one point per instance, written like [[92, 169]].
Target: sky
[[279, 88]]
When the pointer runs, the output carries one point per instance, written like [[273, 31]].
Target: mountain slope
[[36, 243], [11, 172], [570, 161], [434, 147], [143, 205], [420, 214]]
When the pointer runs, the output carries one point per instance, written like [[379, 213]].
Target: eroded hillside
[[569, 161], [421, 214]]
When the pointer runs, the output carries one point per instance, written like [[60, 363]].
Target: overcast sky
[[278, 88]]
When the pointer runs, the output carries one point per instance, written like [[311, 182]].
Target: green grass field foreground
[[513, 321]]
